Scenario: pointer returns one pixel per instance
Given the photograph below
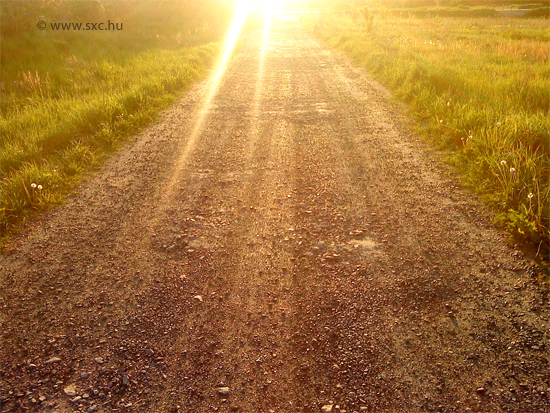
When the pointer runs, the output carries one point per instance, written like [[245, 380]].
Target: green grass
[[478, 88], [71, 98], [54, 136]]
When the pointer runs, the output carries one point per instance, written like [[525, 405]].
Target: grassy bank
[[69, 98], [478, 87]]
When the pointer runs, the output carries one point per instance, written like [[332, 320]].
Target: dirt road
[[285, 247]]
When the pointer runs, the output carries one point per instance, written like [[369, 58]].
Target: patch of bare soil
[[297, 251]]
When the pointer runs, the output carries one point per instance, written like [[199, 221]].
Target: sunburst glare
[[243, 8]]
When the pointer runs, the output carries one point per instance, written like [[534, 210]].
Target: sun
[[264, 7]]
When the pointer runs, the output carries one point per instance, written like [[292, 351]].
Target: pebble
[[149, 352], [53, 360], [198, 297], [99, 360], [84, 375], [125, 380], [70, 390], [327, 408], [480, 390], [223, 391]]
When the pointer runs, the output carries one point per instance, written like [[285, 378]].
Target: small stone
[[149, 352], [31, 366], [84, 375], [70, 390], [125, 380], [53, 360], [223, 391], [76, 399], [327, 408], [92, 408], [198, 297], [480, 390], [99, 360]]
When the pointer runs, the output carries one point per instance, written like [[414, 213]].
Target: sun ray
[[241, 12], [259, 87]]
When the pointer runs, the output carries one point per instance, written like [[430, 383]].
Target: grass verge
[[52, 136], [69, 97], [479, 88]]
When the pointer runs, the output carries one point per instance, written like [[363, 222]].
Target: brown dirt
[[304, 249]]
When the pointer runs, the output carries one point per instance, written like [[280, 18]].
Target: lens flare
[[241, 12]]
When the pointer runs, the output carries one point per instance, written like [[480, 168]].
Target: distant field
[[478, 87], [70, 97]]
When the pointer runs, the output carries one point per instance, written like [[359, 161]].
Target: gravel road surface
[[278, 242]]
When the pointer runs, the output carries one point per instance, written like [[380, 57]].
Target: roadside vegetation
[[479, 88], [69, 98]]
